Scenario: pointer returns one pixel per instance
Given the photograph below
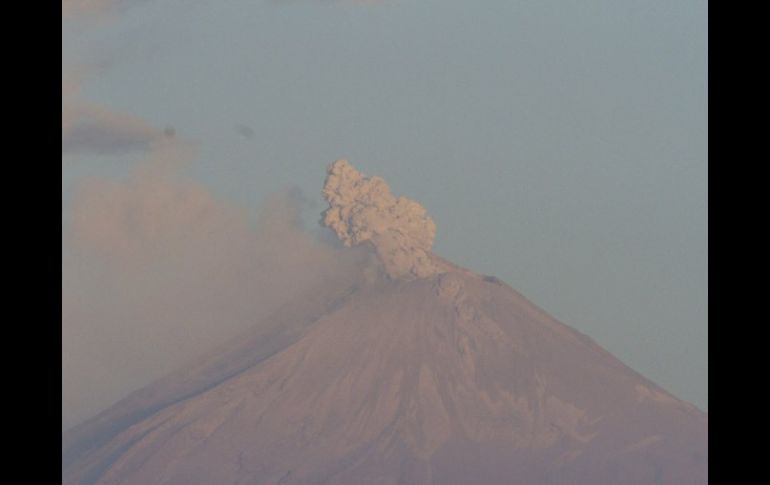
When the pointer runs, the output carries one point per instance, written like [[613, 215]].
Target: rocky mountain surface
[[413, 371]]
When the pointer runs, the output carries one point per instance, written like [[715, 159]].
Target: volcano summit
[[412, 370]]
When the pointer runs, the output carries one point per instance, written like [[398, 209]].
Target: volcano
[[410, 371]]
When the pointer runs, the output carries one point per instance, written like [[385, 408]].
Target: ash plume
[[362, 209], [157, 270]]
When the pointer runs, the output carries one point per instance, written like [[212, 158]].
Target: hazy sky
[[558, 145]]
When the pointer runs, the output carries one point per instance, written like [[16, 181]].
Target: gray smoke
[[362, 209], [156, 270]]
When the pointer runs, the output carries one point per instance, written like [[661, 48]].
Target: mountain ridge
[[439, 371]]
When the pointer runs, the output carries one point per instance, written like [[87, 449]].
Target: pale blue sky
[[558, 145]]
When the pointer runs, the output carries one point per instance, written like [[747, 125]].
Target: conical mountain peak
[[432, 375]]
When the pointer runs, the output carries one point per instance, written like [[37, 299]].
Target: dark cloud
[[105, 137], [89, 128], [245, 131]]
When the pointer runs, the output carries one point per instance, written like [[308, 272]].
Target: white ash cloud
[[362, 209]]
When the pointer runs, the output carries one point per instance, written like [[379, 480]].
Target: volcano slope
[[393, 377]]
